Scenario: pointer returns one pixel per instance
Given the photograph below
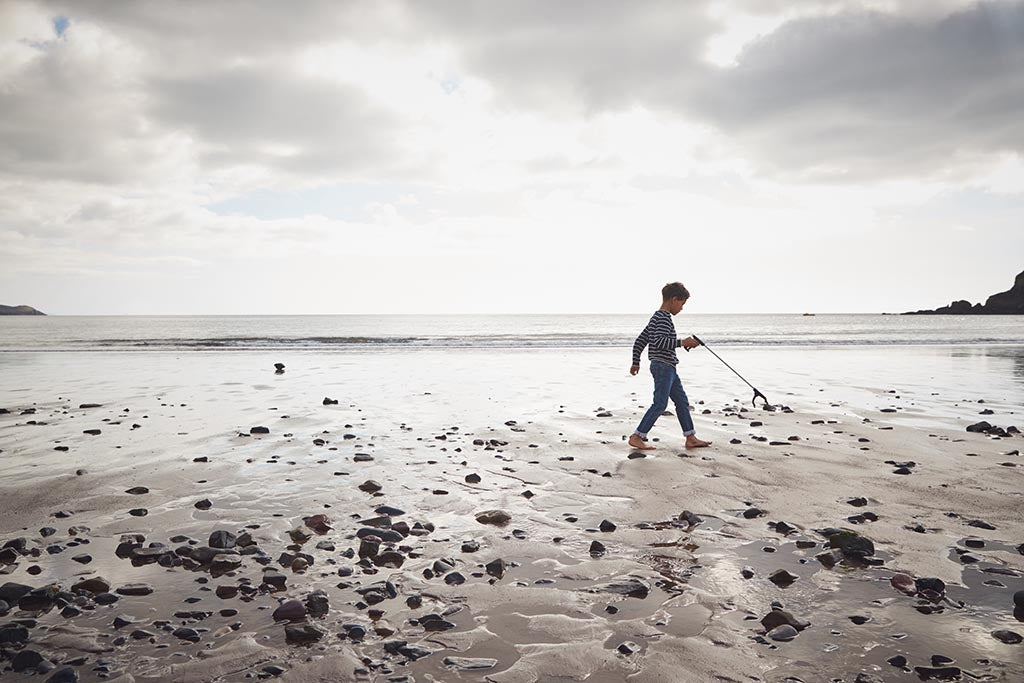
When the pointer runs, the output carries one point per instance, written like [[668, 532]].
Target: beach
[[594, 562]]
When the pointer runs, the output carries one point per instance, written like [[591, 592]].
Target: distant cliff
[[19, 310], [1009, 302]]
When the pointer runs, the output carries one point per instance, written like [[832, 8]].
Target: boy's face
[[675, 305]]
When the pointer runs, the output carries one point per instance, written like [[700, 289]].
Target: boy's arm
[[638, 347]]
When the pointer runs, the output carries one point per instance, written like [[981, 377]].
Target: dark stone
[[607, 526], [137, 490], [26, 659], [496, 517], [777, 617], [259, 430], [897, 660], [1008, 637], [783, 633], [13, 633], [222, 539], [12, 592], [867, 678], [852, 545], [782, 578], [942, 673], [289, 610], [454, 579], [496, 568], [784, 528], [930, 584], [64, 674], [389, 558], [630, 586], [186, 633], [302, 633], [597, 548], [435, 623]]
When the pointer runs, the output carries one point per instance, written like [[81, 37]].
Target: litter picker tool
[[757, 393]]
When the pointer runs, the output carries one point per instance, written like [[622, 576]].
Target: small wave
[[341, 343]]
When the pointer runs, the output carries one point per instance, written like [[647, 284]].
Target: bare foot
[[693, 442], [636, 442]]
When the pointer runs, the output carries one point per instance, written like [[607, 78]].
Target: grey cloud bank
[[497, 131]]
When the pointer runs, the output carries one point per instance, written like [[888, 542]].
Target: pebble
[[1008, 637], [289, 610], [783, 633], [302, 633], [782, 578], [778, 617], [927, 673], [852, 545], [470, 663], [370, 486], [65, 674], [496, 568], [497, 517]]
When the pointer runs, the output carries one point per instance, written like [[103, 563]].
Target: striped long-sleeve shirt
[[660, 338]]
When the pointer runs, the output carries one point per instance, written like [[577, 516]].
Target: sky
[[400, 156]]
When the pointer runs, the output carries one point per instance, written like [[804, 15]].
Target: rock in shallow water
[[496, 517], [302, 633], [778, 617], [852, 545], [470, 663], [1006, 636], [289, 610], [782, 578], [630, 586], [783, 633]]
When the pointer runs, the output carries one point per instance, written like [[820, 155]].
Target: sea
[[384, 332]]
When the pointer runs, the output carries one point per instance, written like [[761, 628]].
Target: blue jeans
[[666, 385]]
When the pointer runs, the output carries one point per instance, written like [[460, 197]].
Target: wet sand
[[668, 598]]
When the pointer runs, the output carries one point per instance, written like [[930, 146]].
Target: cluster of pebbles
[[378, 604], [373, 546]]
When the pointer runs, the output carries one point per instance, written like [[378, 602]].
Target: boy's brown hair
[[674, 290]]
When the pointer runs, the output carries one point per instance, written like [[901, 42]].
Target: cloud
[[872, 95], [268, 117]]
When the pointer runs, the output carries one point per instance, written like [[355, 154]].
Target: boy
[[660, 338]]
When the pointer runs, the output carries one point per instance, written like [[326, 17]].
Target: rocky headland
[[1010, 302], [19, 310]]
